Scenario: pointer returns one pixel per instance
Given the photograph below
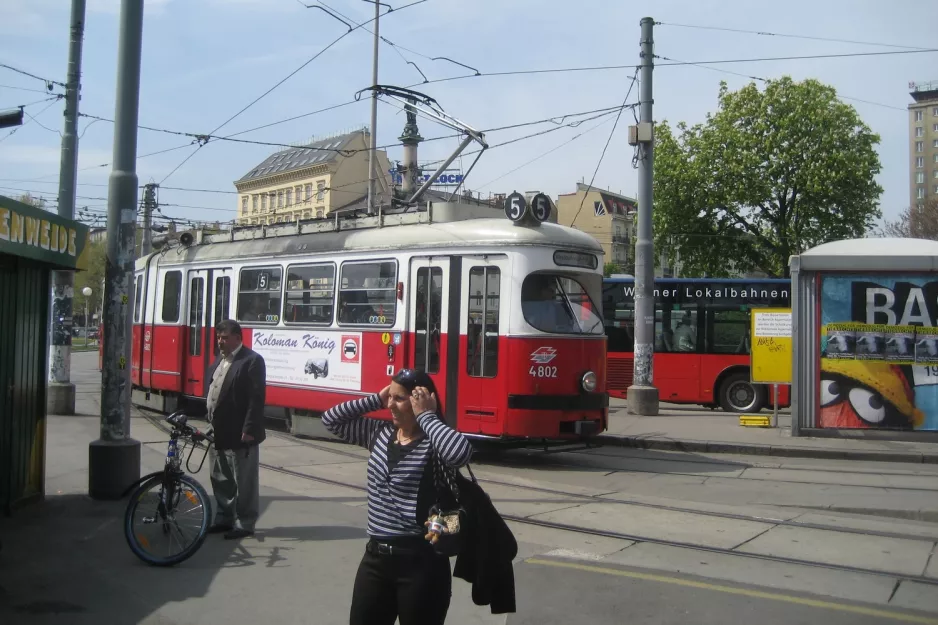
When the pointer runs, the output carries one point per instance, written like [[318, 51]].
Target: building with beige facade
[[609, 217], [923, 142], [311, 181]]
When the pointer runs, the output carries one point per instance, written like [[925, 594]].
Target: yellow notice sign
[[771, 345]]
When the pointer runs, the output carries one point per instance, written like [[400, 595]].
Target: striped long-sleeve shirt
[[393, 493]]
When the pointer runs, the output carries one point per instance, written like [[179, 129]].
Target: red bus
[[503, 316], [701, 339]]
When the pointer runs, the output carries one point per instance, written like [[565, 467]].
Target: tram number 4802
[[543, 372]]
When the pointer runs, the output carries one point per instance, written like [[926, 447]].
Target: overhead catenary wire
[[48, 81], [269, 91], [789, 36], [606, 147], [598, 68]]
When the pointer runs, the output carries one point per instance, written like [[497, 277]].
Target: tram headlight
[[588, 381]]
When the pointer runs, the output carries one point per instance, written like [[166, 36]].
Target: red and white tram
[[504, 316]]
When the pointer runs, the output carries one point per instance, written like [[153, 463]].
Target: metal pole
[[61, 392], [149, 202], [114, 459], [775, 410], [374, 117], [642, 395]]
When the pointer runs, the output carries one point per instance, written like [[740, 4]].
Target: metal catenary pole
[[642, 395], [61, 392], [149, 203], [114, 459], [372, 157]]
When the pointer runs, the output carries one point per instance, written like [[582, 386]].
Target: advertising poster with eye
[[310, 358], [879, 352]]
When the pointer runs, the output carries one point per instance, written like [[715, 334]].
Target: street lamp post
[[87, 293]]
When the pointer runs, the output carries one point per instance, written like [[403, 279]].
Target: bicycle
[[157, 497]]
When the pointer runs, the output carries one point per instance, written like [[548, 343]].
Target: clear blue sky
[[203, 60]]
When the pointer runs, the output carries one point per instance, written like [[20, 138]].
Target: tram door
[[197, 347], [220, 307], [433, 337]]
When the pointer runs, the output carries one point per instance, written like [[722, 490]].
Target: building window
[[920, 177], [919, 146], [920, 161], [309, 192], [259, 295], [319, 212], [307, 214], [289, 197], [935, 174], [482, 331], [368, 293], [244, 205], [918, 116], [264, 202], [919, 131], [935, 127], [936, 158], [310, 294], [920, 193], [280, 196], [254, 203], [299, 194], [172, 288], [320, 191], [934, 112]]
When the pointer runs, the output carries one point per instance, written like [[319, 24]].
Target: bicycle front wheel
[[166, 521]]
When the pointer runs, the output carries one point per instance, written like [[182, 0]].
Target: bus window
[[310, 294], [429, 318], [172, 289], [259, 295], [482, 332], [728, 332], [558, 304], [368, 293]]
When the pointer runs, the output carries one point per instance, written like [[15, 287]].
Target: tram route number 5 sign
[[770, 341]]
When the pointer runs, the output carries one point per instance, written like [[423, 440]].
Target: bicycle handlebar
[[178, 421]]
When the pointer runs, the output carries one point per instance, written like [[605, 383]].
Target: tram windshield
[[559, 304]]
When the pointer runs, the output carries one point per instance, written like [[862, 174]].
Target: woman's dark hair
[[412, 378]]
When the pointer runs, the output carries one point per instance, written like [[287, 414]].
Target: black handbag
[[448, 508]]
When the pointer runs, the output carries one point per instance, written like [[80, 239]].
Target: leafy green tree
[[770, 174], [92, 277], [611, 268]]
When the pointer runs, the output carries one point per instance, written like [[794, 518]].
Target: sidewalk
[[66, 560], [699, 430]]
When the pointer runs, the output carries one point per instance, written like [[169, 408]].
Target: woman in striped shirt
[[400, 574]]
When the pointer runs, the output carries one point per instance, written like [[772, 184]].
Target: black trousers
[[411, 582]]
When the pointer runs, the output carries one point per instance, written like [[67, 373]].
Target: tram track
[[585, 498], [635, 538]]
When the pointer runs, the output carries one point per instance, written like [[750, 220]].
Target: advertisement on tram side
[[310, 358], [879, 352]]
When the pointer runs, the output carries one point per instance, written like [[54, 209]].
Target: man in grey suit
[[235, 404]]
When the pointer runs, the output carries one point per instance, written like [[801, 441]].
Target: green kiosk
[[33, 243]]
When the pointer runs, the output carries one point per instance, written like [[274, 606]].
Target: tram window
[[222, 299], [172, 289], [138, 294], [482, 331], [196, 293], [259, 295], [558, 304], [368, 293], [310, 296], [429, 317]]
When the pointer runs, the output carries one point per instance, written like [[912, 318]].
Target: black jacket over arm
[[486, 555], [240, 406]]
